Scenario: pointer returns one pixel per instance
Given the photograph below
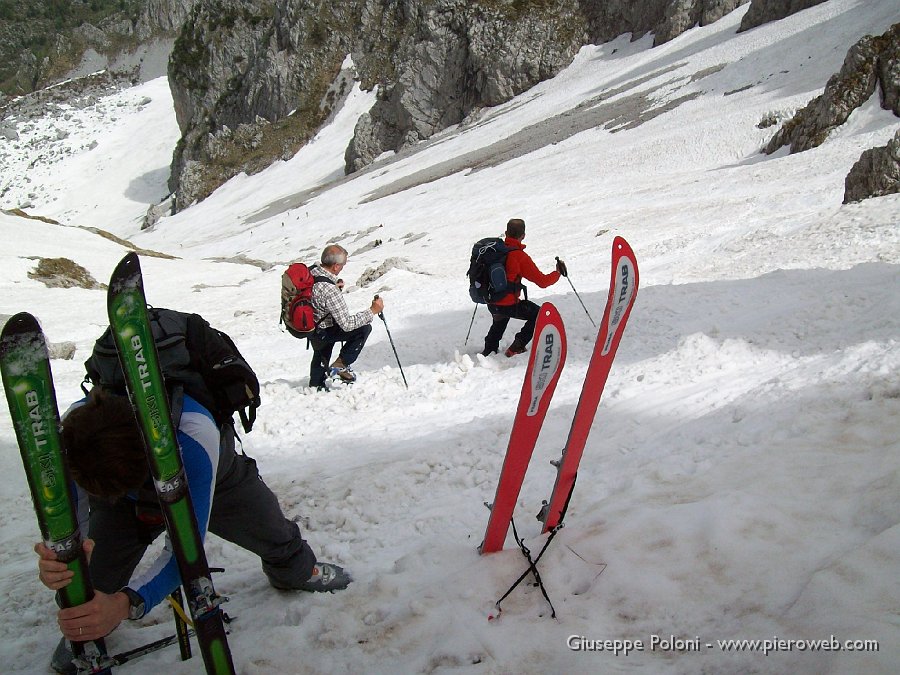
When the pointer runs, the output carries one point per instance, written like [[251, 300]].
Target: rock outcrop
[[872, 62], [875, 174], [253, 79], [764, 11]]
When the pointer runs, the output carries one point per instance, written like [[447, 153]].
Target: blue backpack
[[487, 271]]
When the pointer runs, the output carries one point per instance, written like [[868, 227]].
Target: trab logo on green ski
[[143, 372]]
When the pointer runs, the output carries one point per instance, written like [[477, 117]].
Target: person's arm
[[336, 306], [528, 270], [199, 440]]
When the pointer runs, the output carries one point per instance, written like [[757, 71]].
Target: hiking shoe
[[326, 577], [488, 352], [62, 660], [514, 348], [342, 372]]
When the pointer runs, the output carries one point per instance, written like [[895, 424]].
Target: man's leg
[[246, 513], [354, 341], [527, 310], [495, 332], [318, 366]]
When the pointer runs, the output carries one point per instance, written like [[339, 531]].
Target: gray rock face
[[764, 11], [681, 15], [462, 57], [875, 174], [164, 15], [871, 62], [268, 64]]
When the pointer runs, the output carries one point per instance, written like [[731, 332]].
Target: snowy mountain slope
[[742, 475]]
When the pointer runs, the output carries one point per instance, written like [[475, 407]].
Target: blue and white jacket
[[198, 437]]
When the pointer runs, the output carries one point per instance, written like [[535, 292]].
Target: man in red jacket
[[519, 266]]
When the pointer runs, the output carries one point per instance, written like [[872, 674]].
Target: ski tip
[[22, 344], [19, 327], [125, 274], [621, 246], [622, 249], [23, 322], [129, 264]]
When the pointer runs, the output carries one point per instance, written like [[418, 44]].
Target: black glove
[[561, 268]]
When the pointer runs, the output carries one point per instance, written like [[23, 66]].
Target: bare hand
[[53, 573], [93, 619], [377, 305]]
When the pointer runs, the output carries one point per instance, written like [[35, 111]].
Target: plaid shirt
[[330, 308]]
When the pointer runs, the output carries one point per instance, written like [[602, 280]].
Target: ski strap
[[179, 610], [532, 567]]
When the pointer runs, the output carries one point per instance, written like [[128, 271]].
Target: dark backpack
[[194, 358], [296, 299], [487, 271]]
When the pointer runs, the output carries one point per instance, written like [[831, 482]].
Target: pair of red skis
[[545, 364]]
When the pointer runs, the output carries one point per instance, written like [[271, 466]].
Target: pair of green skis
[[28, 383]]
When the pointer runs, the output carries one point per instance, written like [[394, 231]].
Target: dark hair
[[103, 445], [515, 228]]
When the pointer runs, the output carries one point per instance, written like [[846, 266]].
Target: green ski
[[127, 308], [28, 383]]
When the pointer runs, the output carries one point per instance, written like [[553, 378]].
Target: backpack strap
[[176, 404], [318, 278]]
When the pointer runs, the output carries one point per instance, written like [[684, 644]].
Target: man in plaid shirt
[[334, 323]]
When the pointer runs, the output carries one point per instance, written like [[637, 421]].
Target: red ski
[[623, 289], [545, 363]]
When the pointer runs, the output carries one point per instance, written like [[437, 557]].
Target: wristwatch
[[135, 603]]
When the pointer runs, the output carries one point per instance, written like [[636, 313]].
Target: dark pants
[[322, 343], [244, 512], [524, 309]]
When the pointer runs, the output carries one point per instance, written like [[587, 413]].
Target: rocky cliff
[[253, 79], [764, 11], [45, 41]]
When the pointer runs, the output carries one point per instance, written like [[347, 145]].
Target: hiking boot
[[342, 372], [514, 348], [326, 577], [488, 352], [62, 660]]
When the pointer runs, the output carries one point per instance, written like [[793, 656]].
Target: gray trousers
[[244, 512]]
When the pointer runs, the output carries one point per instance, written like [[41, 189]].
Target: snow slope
[[742, 479]]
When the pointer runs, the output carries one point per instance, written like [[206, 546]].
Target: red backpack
[[296, 299]]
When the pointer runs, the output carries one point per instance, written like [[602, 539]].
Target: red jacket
[[519, 266]]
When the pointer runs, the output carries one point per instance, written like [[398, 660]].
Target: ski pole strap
[[532, 567]]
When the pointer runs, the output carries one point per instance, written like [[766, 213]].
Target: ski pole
[[579, 298], [381, 316], [470, 326]]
